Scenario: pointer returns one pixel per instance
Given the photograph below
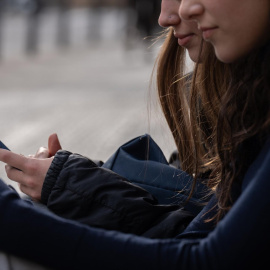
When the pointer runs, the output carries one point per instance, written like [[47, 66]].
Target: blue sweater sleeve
[[238, 241]]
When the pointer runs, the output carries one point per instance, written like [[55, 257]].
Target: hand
[[28, 172], [53, 146]]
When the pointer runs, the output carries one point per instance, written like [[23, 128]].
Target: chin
[[194, 56], [225, 58]]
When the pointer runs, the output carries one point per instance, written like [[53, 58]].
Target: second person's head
[[186, 32]]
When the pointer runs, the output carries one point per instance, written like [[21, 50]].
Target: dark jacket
[[135, 191], [239, 241]]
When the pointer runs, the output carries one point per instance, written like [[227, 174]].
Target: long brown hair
[[172, 92], [245, 115], [214, 115]]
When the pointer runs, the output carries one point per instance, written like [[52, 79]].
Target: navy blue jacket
[[110, 197], [239, 241]]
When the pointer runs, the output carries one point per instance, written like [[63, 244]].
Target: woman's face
[[187, 33], [233, 27]]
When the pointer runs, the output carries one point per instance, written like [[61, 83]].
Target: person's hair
[[245, 117], [191, 104], [172, 86], [215, 115]]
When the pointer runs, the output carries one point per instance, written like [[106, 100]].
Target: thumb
[[53, 144]]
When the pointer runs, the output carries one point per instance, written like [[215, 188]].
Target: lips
[[207, 32], [184, 39]]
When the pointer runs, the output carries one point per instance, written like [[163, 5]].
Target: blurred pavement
[[94, 96]]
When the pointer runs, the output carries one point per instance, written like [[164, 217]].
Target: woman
[[244, 113], [232, 230], [77, 189]]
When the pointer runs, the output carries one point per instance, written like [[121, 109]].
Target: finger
[[13, 159], [14, 174], [42, 152], [53, 144]]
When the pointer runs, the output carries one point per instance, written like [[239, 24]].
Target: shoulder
[[260, 166]]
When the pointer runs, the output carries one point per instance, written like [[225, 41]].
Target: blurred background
[[82, 69]]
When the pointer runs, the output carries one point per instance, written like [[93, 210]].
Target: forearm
[[28, 232], [239, 240]]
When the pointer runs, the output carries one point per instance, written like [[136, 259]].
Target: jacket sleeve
[[76, 188], [239, 241]]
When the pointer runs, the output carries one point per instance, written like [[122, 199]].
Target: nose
[[169, 13], [190, 9]]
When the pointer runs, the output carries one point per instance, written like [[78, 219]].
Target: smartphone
[[3, 146]]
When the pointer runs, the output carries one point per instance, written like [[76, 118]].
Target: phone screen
[[3, 146]]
